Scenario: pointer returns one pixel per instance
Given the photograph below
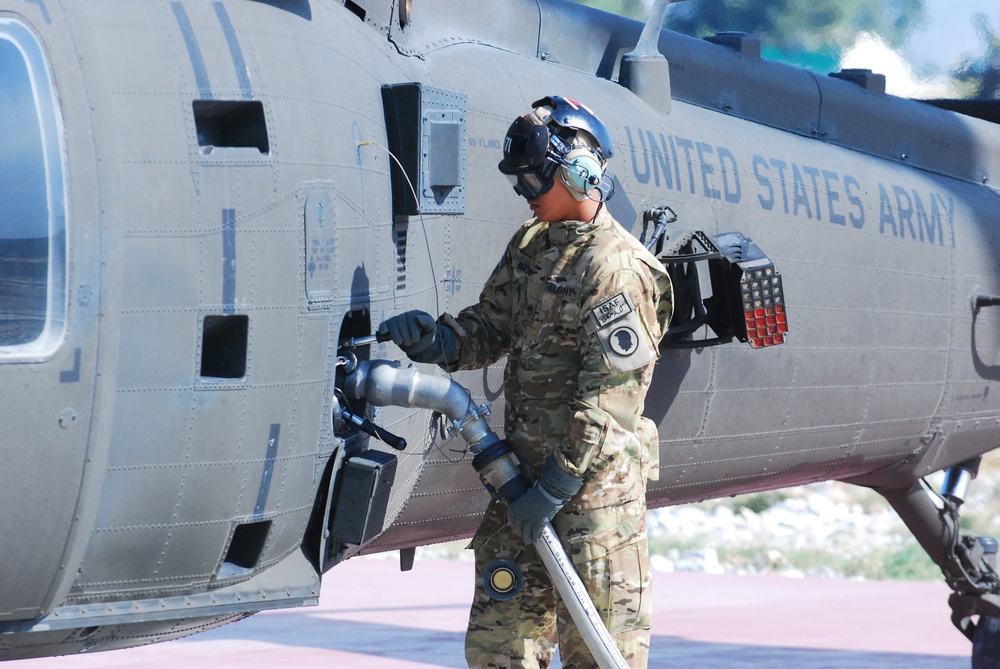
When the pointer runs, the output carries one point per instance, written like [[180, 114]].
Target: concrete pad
[[372, 615]]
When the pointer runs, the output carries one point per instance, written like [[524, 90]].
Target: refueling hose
[[385, 383]]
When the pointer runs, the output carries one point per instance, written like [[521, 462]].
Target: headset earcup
[[583, 172]]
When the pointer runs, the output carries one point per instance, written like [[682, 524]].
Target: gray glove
[[529, 513], [421, 337]]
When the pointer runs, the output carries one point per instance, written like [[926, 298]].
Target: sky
[[949, 33], [922, 68], [947, 36]]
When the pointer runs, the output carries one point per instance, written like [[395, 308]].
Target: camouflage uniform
[[578, 309]]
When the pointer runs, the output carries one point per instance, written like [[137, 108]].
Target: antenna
[[648, 40]]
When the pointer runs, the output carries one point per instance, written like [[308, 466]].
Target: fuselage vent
[[399, 234]]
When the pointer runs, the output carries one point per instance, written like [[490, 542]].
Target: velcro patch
[[611, 310], [619, 328], [623, 341]]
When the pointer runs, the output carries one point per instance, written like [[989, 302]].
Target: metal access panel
[[364, 496], [321, 247], [426, 129]]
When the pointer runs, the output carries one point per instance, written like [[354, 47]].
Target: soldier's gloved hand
[[529, 513], [421, 337]]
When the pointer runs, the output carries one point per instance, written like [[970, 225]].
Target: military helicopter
[[210, 206]]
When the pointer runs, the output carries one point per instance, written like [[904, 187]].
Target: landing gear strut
[[969, 563]]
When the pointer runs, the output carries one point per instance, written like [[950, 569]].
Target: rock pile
[[827, 529], [816, 518]]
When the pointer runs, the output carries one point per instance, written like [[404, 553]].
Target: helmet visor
[[532, 183], [526, 160]]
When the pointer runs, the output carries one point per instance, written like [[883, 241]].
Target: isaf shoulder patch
[[611, 309], [619, 328]]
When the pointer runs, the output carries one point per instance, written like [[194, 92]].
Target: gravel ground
[[825, 530]]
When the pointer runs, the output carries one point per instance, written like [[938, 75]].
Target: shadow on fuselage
[[300, 8]]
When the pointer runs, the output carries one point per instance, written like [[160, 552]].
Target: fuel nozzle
[[500, 471], [384, 383]]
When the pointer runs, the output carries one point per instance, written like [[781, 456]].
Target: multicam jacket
[[578, 308]]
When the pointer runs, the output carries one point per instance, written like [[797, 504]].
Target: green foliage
[[665, 544], [633, 9], [809, 33], [801, 26], [903, 563], [759, 502], [981, 74], [910, 563]]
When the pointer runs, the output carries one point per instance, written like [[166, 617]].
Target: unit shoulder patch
[[623, 341], [617, 325]]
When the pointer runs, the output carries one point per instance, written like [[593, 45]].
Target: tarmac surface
[[372, 615]]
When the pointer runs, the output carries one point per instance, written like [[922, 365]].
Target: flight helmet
[[559, 138]]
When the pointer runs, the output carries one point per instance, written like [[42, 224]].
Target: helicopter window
[[32, 213], [224, 346], [232, 124], [356, 9]]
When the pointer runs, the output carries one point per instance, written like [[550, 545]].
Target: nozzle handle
[[374, 430], [366, 340]]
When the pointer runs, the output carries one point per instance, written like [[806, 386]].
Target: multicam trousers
[[523, 632]]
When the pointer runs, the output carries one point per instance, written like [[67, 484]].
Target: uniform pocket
[[649, 449], [620, 584], [591, 534], [617, 469]]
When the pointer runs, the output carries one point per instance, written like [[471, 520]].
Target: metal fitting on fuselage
[[385, 383]]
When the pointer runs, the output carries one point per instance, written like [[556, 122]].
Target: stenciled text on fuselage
[[789, 188]]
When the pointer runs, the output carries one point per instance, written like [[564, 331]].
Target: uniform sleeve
[[619, 337], [485, 329]]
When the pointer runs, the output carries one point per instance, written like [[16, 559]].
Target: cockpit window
[[32, 213]]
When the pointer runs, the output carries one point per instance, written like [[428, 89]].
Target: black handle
[[374, 430], [388, 437]]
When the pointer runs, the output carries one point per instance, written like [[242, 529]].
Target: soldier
[[578, 306]]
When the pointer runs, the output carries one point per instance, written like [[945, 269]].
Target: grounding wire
[[430, 262]]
